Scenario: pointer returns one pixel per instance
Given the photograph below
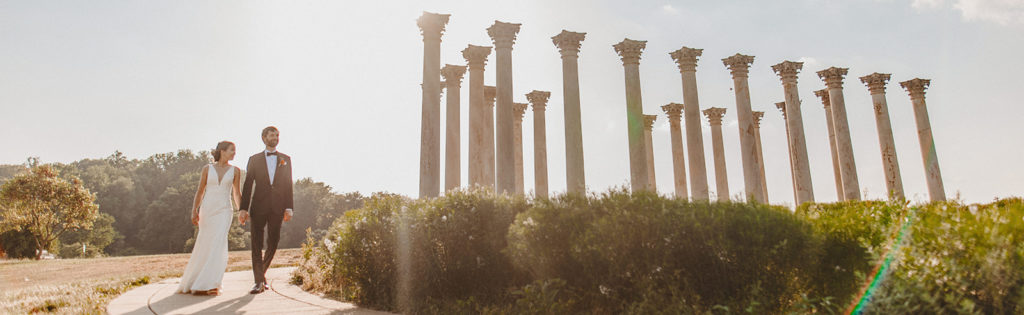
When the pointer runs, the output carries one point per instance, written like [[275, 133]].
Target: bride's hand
[[195, 218]]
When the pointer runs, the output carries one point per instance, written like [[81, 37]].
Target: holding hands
[[243, 216]]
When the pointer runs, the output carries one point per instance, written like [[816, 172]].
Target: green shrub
[[401, 254], [456, 247], [641, 253], [619, 246], [854, 236], [966, 259]]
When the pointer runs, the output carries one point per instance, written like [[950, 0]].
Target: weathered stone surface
[[715, 115], [674, 111]]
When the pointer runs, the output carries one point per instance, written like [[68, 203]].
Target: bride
[[212, 211]]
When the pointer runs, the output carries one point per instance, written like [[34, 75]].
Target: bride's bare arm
[[235, 193], [202, 189]]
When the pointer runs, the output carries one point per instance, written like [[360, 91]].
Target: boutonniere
[[282, 162]]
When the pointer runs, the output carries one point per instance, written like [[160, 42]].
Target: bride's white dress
[[209, 259]]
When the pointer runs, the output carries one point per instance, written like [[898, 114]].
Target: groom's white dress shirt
[[272, 168]]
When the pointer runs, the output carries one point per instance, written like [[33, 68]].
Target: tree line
[[144, 207]]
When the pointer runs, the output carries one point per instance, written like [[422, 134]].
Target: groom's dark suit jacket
[[268, 198]]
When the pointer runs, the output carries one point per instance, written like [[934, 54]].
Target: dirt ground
[[18, 274]]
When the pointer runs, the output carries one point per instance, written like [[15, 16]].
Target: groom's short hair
[[268, 130]]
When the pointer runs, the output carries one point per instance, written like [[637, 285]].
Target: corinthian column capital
[[823, 95], [503, 34], [686, 58], [787, 70], [782, 108], [490, 92], [452, 74], [630, 50], [715, 115], [916, 87], [432, 25], [539, 99], [738, 64], [757, 119], [674, 111], [568, 43], [876, 82], [833, 76], [476, 56], [518, 110], [649, 121]]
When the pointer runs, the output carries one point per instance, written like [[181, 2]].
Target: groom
[[267, 200]]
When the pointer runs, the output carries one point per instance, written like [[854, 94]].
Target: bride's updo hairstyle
[[221, 146]]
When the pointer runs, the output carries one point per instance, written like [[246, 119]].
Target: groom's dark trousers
[[266, 203]]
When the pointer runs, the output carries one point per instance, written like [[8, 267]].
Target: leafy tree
[[18, 244], [45, 205], [166, 226], [316, 207], [96, 239]]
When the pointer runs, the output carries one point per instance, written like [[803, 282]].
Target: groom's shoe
[[257, 289]]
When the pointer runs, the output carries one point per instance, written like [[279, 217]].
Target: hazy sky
[[81, 79]]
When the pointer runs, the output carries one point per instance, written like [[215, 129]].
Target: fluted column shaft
[[476, 59], [740, 66], [539, 99], [833, 78], [823, 94], [760, 154], [674, 111], [452, 144], [649, 144], [686, 60], [490, 93], [629, 51], [518, 110], [718, 147], [504, 35], [916, 89], [787, 71], [431, 27], [893, 180], [568, 44], [789, 147]]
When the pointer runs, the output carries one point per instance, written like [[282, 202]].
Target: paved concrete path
[[282, 298]]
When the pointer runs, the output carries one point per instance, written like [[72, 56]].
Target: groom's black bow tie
[[269, 154]]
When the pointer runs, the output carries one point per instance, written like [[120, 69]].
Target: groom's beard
[[272, 143]]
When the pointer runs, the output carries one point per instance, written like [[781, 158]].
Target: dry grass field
[[85, 286]]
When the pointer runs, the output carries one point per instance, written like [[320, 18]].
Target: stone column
[[916, 89], [686, 59], [674, 111], [833, 78], [893, 181], [739, 65], [760, 154], [504, 35], [789, 147], [539, 99], [568, 44], [431, 27], [649, 144], [823, 94], [490, 93], [714, 115], [629, 50], [452, 144], [787, 71], [518, 110], [479, 113]]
